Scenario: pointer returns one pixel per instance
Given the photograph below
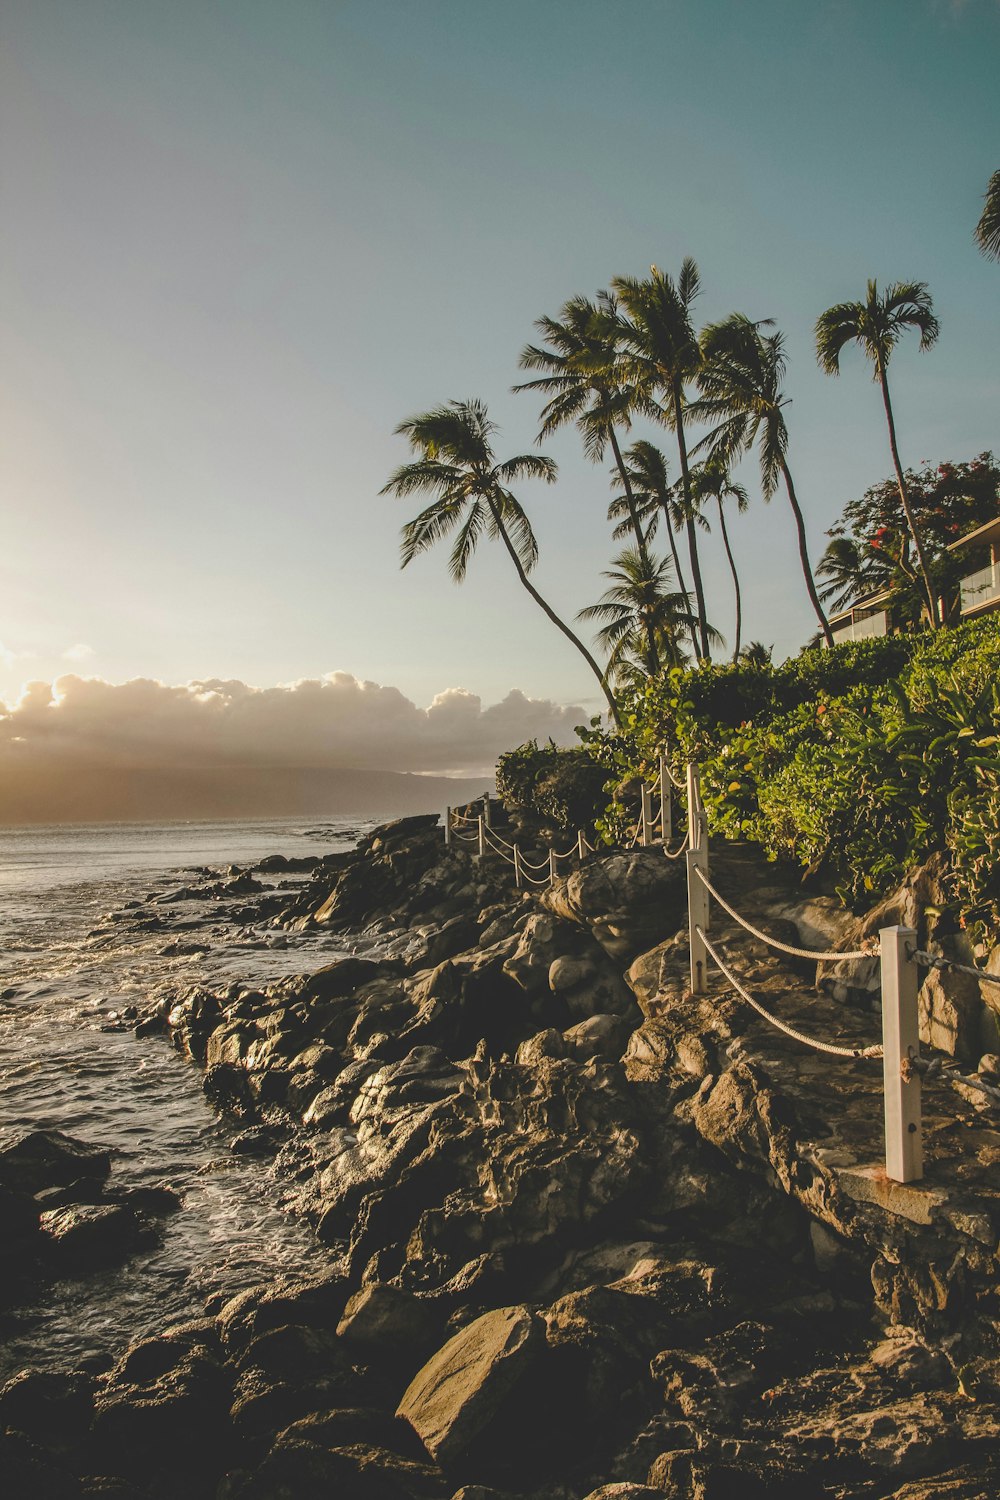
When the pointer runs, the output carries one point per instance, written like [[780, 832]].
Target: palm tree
[[757, 655], [583, 382], [877, 325], [740, 381], [652, 495], [988, 228], [712, 480], [639, 606], [848, 571], [661, 356], [458, 467]]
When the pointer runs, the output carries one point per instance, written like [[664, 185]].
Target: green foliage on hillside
[[857, 762], [561, 789]]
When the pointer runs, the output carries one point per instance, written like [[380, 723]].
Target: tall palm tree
[[848, 570], [583, 381], [988, 228], [740, 379], [653, 495], [639, 604], [661, 356], [712, 480], [457, 465], [877, 325]]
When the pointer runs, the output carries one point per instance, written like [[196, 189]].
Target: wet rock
[[86, 1235], [50, 1408], [296, 1467], [29, 1470], [50, 1158], [318, 1301], [458, 1395], [165, 1403]]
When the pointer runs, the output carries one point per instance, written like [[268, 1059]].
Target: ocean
[[71, 958]]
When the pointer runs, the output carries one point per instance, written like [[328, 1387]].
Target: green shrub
[[564, 789]]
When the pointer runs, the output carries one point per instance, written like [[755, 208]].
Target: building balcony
[[981, 591]]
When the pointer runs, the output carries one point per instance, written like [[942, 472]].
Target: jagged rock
[[629, 902], [165, 1403], [50, 1408], [317, 1300], [599, 1036], [455, 1399], [297, 1469], [951, 1007], [386, 1321], [49, 1158]]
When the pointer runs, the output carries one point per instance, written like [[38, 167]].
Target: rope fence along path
[[799, 1036], [872, 951], [904, 1161]]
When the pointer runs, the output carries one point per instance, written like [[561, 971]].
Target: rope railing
[[832, 1048], [868, 952], [951, 965]]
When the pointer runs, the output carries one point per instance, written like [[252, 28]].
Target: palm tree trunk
[[904, 497], [699, 591], [640, 537], [736, 576], [559, 624], [807, 573], [678, 571]]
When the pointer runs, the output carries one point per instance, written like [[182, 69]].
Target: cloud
[[80, 652], [83, 732]]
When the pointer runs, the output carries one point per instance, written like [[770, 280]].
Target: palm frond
[[987, 231]]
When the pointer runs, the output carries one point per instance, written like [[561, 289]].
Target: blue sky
[[243, 240]]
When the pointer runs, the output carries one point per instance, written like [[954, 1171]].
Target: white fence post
[[482, 837], [518, 880], [447, 828], [647, 815], [581, 847], [904, 1147], [694, 804], [487, 810], [666, 803], [697, 917], [553, 872]]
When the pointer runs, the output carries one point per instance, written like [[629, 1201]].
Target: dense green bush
[[858, 762], [563, 789]]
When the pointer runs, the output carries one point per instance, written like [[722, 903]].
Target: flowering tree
[[870, 552]]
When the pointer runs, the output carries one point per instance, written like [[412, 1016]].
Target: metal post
[[647, 816], [518, 878], [553, 872], [666, 803], [482, 836], [904, 1148], [447, 828], [696, 859], [487, 811]]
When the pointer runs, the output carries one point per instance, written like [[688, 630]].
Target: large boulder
[[459, 1395]]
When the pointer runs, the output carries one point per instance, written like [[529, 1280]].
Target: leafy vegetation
[[857, 762], [549, 786]]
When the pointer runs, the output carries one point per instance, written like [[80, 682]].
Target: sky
[[242, 241]]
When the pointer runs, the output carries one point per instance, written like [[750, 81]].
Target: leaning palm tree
[[988, 228], [877, 325], [741, 390], [653, 495], [583, 382], [661, 356], [457, 465], [582, 379], [712, 481], [639, 604]]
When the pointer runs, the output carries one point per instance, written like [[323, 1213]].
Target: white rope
[[678, 852], [532, 881], [490, 839], [463, 818], [499, 838], [933, 961], [798, 1036], [570, 853], [678, 784], [773, 942], [464, 838], [527, 864]]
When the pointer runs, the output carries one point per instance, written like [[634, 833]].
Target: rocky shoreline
[[587, 1235]]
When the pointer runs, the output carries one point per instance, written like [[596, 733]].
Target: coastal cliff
[[587, 1234]]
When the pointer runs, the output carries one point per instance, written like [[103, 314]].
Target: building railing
[[980, 588]]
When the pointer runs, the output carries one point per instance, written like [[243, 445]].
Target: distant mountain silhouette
[[31, 793]]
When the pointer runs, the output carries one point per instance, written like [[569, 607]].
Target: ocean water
[[73, 953]]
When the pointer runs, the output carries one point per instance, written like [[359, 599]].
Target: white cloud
[[327, 723], [80, 652]]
